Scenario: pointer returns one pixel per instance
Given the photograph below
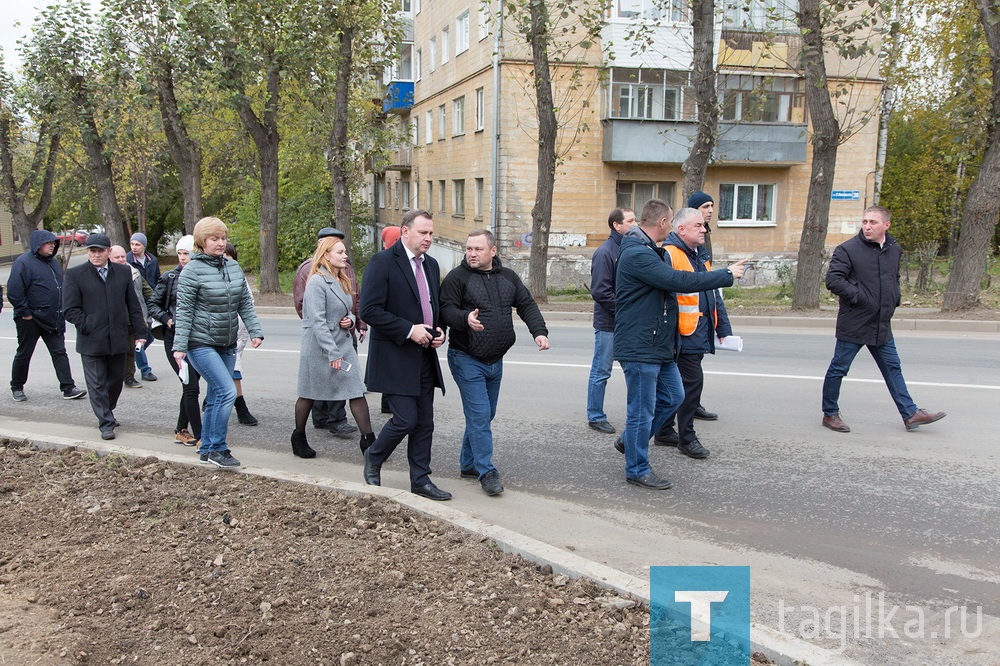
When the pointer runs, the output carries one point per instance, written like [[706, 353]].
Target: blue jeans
[[655, 391], [600, 372], [215, 365], [887, 360], [479, 384], [141, 360]]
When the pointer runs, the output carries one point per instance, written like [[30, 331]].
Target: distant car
[[72, 238]]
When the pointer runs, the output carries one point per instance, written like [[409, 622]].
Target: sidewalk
[[553, 518]]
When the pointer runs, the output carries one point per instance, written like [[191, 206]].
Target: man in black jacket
[[476, 301], [35, 291], [864, 273], [96, 296], [602, 289]]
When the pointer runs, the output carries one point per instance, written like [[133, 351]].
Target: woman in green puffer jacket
[[212, 295]]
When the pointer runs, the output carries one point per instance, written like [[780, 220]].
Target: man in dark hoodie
[[35, 290], [476, 302], [646, 333], [602, 289]]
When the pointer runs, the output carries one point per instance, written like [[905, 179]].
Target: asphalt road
[[824, 519]]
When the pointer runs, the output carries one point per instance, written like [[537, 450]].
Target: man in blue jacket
[[864, 274], [646, 333], [35, 290], [602, 289]]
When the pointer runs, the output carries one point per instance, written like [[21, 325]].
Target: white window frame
[[442, 123], [418, 64], [405, 199], [655, 189], [430, 195], [479, 192], [444, 45], [729, 210], [480, 109], [635, 10], [416, 6], [458, 197], [458, 116], [415, 130], [381, 193], [763, 15], [429, 127], [442, 196], [483, 22], [462, 33], [432, 53]]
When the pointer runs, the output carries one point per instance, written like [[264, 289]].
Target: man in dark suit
[[400, 301], [96, 297]]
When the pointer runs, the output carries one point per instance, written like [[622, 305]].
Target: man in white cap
[[148, 265]]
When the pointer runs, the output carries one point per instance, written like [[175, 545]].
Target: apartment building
[[461, 98], [10, 247]]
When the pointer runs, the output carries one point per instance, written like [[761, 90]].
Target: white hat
[[186, 244]]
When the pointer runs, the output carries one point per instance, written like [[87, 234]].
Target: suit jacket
[[102, 311], [390, 305]]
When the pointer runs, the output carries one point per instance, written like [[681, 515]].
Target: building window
[[430, 195], [653, 10], [416, 194], [406, 195], [406, 6], [441, 123], [482, 18], [761, 15], [415, 131], [441, 196], [404, 66], [462, 33], [418, 64], [635, 195], [432, 52], [381, 194], [478, 197], [458, 116], [399, 196], [480, 109], [444, 45], [744, 204], [428, 126], [647, 94], [772, 99], [458, 197]]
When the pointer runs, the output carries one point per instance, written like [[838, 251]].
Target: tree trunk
[[183, 149], [982, 207], [541, 212], [337, 161], [703, 68], [46, 151], [100, 170], [825, 140], [265, 136]]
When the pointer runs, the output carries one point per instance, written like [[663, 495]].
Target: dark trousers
[[413, 418], [189, 412], [693, 378], [326, 413], [28, 333], [104, 375]]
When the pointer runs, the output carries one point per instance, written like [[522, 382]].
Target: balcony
[[398, 97], [669, 142], [400, 159]]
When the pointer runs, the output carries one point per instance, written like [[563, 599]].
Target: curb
[[783, 649]]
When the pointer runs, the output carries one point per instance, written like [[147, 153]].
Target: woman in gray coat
[[328, 362]]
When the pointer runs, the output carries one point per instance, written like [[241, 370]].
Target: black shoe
[[300, 445], [667, 437], [148, 377], [107, 433], [602, 426], [373, 471], [366, 440], [343, 429], [620, 445], [130, 382], [651, 481], [18, 395], [470, 473], [703, 414], [430, 491], [693, 449], [243, 414], [491, 483], [73, 393]]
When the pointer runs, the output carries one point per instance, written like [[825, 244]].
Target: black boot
[[366, 441], [243, 413], [300, 446]]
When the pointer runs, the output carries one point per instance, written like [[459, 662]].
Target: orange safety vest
[[688, 305]]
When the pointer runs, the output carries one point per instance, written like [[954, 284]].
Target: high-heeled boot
[[367, 440], [243, 412], [300, 446]]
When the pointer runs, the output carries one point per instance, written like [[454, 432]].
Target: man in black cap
[[94, 297], [325, 413]]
